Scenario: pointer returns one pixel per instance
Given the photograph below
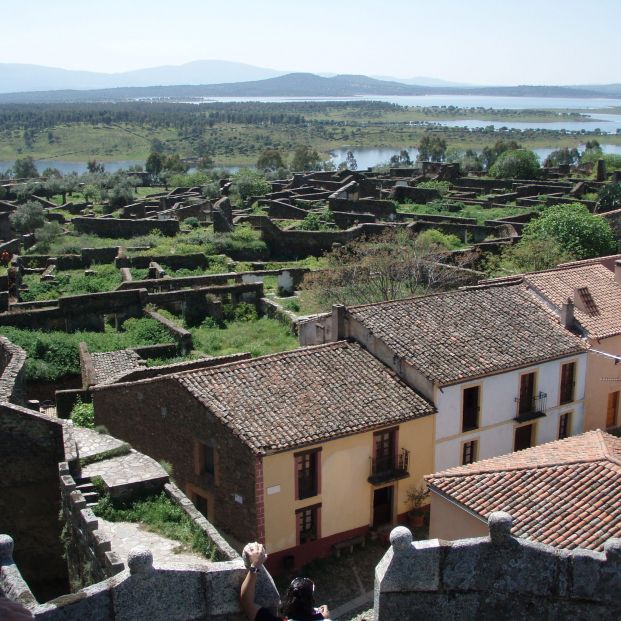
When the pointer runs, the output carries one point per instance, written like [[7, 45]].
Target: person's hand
[[255, 554], [325, 612]]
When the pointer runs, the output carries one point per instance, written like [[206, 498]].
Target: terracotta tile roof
[[306, 396], [113, 363], [600, 314], [566, 493], [469, 333]]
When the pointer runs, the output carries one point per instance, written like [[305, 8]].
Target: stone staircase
[[91, 495]]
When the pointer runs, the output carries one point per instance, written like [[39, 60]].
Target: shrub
[[609, 197], [517, 164], [28, 217], [191, 222], [574, 229], [83, 414], [442, 187]]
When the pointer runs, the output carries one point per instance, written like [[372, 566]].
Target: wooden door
[[613, 408]]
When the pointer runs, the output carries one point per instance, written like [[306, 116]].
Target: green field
[[238, 142]]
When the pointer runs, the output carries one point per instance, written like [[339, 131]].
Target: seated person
[[297, 604]]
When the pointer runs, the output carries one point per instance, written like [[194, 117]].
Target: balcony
[[390, 467], [530, 408]]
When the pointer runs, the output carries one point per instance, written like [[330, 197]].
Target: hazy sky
[[476, 41]]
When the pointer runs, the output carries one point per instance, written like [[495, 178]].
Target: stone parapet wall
[[496, 577], [165, 593], [12, 372]]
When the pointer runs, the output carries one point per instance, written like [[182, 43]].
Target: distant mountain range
[[210, 78]]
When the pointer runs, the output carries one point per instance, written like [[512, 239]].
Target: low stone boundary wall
[[496, 577], [120, 227], [182, 337], [173, 261]]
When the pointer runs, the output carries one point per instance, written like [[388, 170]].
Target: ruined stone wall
[[89, 553], [160, 418], [496, 577], [382, 209], [173, 261], [31, 446], [119, 227], [296, 244]]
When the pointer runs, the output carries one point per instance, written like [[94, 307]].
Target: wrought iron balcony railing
[[530, 408], [390, 467]]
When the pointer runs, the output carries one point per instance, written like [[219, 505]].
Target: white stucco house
[[501, 369]]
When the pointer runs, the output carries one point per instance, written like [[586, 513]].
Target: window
[[523, 437], [568, 372], [469, 452], [613, 408], [527, 393], [384, 451], [209, 466], [308, 524], [470, 408], [564, 425], [307, 467], [205, 459]]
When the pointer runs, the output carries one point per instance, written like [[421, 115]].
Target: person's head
[[298, 601]]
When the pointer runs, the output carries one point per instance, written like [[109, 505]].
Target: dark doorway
[[382, 506]]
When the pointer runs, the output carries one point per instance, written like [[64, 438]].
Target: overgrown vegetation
[[71, 282], [83, 414], [160, 515], [387, 267], [53, 355]]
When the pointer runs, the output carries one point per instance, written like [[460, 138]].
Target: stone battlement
[[496, 577]]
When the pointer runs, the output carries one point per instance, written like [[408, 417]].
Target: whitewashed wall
[[498, 409]]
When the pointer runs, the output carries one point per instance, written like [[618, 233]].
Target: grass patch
[[55, 354], [159, 515], [258, 336], [71, 282]]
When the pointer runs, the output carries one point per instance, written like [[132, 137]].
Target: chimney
[[338, 322], [618, 272], [567, 314]]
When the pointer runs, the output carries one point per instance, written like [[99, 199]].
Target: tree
[[51, 172], [94, 167], [350, 161], [518, 164], [432, 148], [28, 217], [46, 234], [305, 158], [248, 183], [532, 255], [390, 266], [490, 154], [154, 163], [562, 156], [24, 168], [270, 160], [574, 229]]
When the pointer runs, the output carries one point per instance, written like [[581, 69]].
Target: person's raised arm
[[255, 553]]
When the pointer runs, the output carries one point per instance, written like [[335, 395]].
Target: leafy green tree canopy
[[517, 164], [432, 148], [305, 158], [270, 160], [574, 229], [25, 168], [28, 217], [248, 182]]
